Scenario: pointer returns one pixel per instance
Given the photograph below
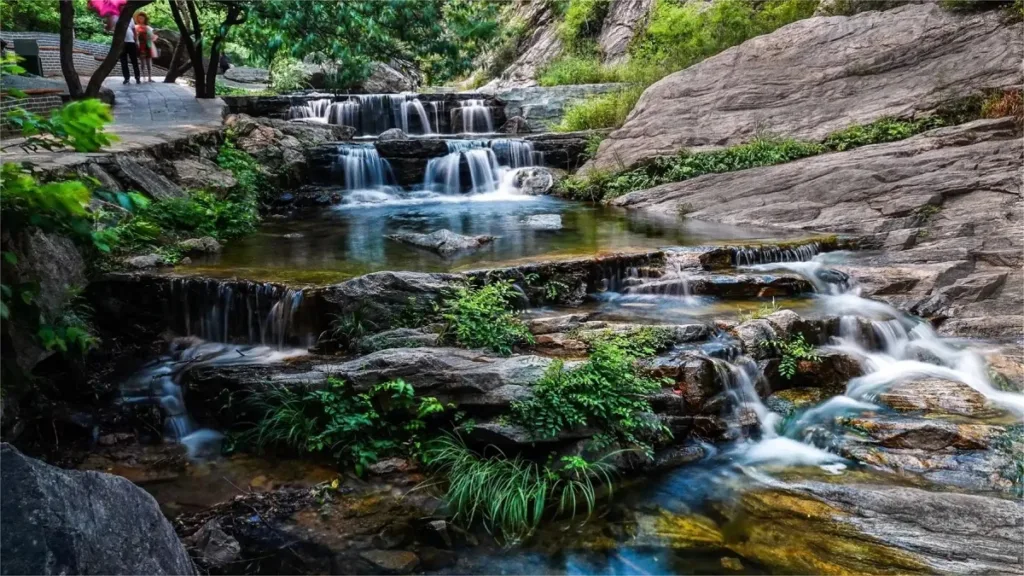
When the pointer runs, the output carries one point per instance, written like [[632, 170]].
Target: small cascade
[[774, 254], [476, 117], [515, 153], [414, 106], [249, 312], [362, 167], [739, 377], [469, 167], [371, 114], [825, 280], [160, 383], [674, 281], [314, 109]]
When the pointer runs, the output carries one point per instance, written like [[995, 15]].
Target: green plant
[[573, 69], [603, 111], [605, 393], [793, 351], [885, 129], [348, 327], [287, 75], [1006, 103], [354, 428], [639, 342], [510, 496], [582, 23], [78, 125], [763, 311], [482, 317], [593, 143]]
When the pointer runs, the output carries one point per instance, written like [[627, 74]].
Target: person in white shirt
[[130, 49]]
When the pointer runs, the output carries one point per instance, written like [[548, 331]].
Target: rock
[[819, 75], [166, 40], [851, 7], [831, 372], [544, 222], [924, 434], [624, 19], [436, 531], [53, 262], [392, 561], [67, 522], [392, 134], [248, 75], [383, 296], [391, 466], [150, 183], [515, 125], [537, 50], [107, 182], [398, 338], [437, 558], [755, 336], [444, 242], [551, 324], [694, 381], [145, 261], [205, 245], [214, 547], [200, 174], [544, 106], [929, 174], [533, 181], [388, 79], [933, 395], [792, 400]]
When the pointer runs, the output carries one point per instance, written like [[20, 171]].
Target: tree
[[67, 44], [234, 12]]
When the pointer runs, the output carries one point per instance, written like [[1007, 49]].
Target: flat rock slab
[[444, 242], [819, 75]]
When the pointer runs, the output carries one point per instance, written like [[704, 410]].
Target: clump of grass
[[582, 23], [763, 311], [885, 129], [1007, 103], [510, 496], [482, 317], [606, 110], [574, 69]]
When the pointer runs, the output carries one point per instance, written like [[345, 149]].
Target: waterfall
[[416, 107], [466, 158], [774, 254], [515, 153], [362, 167], [476, 117], [371, 114], [317, 109]]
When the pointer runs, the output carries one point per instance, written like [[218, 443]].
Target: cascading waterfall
[[362, 167], [774, 254], [416, 107], [673, 282], [480, 161], [476, 117], [372, 114], [515, 153]]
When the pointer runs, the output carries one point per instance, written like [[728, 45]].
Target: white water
[[476, 117], [363, 168], [372, 114]]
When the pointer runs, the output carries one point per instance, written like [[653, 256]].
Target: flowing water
[[371, 114]]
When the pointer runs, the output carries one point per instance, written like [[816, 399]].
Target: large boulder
[[201, 174], [248, 75], [541, 47], [140, 177], [819, 75], [964, 178], [68, 522]]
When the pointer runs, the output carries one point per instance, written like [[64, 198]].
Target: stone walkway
[[145, 114]]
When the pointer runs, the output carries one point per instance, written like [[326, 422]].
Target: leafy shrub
[[354, 428], [762, 151], [603, 111], [639, 342], [593, 144], [886, 129], [793, 351], [511, 496], [605, 393], [1008, 103], [287, 75], [483, 318]]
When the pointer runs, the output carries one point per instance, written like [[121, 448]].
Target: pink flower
[[107, 8]]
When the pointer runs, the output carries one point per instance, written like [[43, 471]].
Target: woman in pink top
[[146, 41]]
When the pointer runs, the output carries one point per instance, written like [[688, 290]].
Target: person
[[146, 40], [130, 50]]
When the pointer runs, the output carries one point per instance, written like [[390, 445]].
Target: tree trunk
[[124, 19], [176, 68], [194, 46], [234, 16], [67, 49]]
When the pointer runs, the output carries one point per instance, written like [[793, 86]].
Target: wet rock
[[559, 344], [391, 466], [392, 134], [710, 104], [398, 338], [535, 181], [382, 296], [693, 378], [756, 335], [201, 174], [831, 372], [139, 177], [437, 558], [66, 522], [924, 434], [204, 245], [444, 242], [214, 548], [678, 456], [437, 532], [544, 222], [515, 125], [552, 324], [510, 435], [933, 395], [391, 561], [792, 400], [145, 261]]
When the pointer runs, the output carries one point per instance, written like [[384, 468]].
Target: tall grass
[[510, 496], [603, 111]]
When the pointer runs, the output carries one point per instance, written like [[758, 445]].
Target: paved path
[[144, 115]]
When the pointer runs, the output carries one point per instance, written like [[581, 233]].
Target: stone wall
[[544, 106], [85, 54]]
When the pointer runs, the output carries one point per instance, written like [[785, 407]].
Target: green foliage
[[593, 143], [504, 49], [287, 75], [573, 69], [762, 151], [356, 429], [581, 24], [885, 129], [638, 342], [793, 351], [483, 318], [348, 327], [603, 111], [605, 393], [78, 125], [511, 496]]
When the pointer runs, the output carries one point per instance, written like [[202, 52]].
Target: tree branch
[[124, 19], [67, 49]]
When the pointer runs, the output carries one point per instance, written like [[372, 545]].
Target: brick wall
[[40, 104], [49, 51]]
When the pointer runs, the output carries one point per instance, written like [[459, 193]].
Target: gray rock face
[[444, 242], [398, 338], [144, 261], [515, 125], [819, 75], [248, 75], [386, 78], [534, 182], [544, 106], [384, 295], [150, 183], [200, 174], [625, 18], [959, 186], [215, 548], [392, 134], [67, 522], [541, 47], [205, 245]]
